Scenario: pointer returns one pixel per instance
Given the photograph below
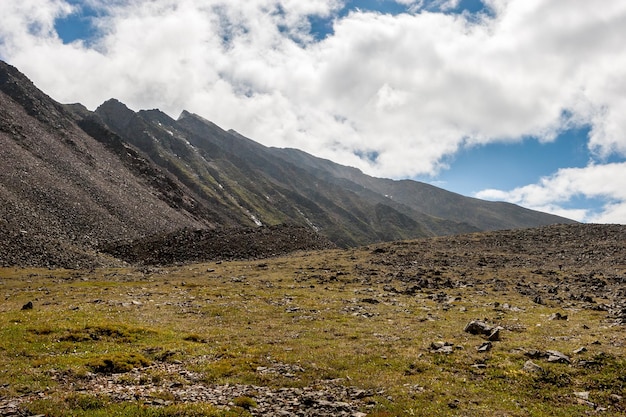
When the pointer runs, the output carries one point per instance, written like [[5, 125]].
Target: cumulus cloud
[[591, 182], [441, 5], [25, 21], [392, 95]]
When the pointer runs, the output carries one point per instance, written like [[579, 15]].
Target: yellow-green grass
[[331, 313]]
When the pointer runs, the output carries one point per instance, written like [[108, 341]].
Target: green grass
[[84, 405], [313, 311]]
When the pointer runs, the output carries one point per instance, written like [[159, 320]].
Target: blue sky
[[498, 99], [78, 25]]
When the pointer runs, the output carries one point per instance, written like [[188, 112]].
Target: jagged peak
[[186, 115], [155, 111], [157, 115], [113, 109], [113, 104]]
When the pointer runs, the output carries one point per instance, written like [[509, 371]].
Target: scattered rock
[[557, 357], [454, 404], [485, 347], [327, 398], [283, 369], [532, 367], [481, 328], [441, 347], [28, 306], [478, 328], [580, 350], [535, 354], [586, 402], [189, 245], [582, 395], [557, 316], [494, 336], [438, 345], [586, 298], [507, 306]]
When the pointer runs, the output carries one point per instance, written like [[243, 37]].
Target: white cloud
[[27, 20], [442, 5], [411, 88], [551, 194]]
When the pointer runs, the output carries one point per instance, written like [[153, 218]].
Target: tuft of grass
[[245, 402], [86, 402], [94, 407], [196, 338], [118, 363], [111, 332]]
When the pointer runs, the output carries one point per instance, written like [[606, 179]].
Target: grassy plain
[[354, 317]]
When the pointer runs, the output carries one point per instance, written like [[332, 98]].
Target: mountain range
[[75, 182]]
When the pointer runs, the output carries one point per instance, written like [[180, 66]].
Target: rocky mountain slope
[[424, 198], [74, 181], [61, 189], [249, 180], [185, 246]]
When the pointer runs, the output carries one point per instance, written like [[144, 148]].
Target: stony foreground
[[517, 323]]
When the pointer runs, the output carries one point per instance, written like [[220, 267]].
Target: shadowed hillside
[[62, 188]]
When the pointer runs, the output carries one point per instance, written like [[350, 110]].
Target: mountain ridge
[[80, 180]]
